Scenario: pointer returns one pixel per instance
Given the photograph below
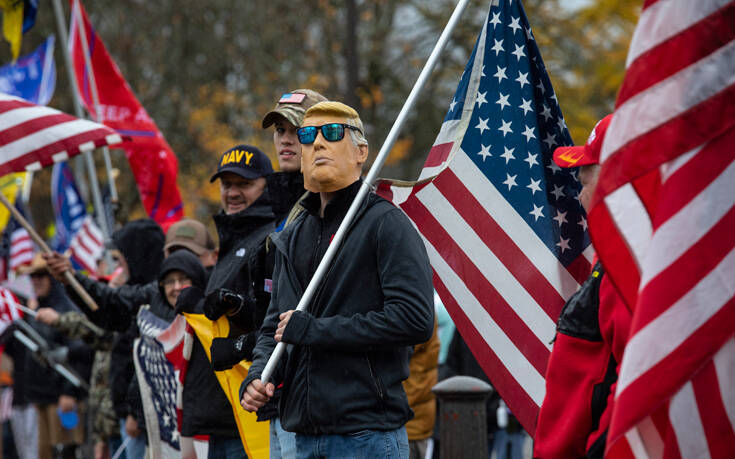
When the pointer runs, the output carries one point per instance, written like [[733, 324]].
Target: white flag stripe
[[668, 331], [52, 134], [511, 357], [724, 362], [653, 441], [670, 98], [667, 18], [680, 232], [528, 310], [668, 169], [687, 424], [20, 115], [632, 220], [514, 226], [636, 444]]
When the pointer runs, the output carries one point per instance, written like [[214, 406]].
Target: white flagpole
[[96, 195], [95, 98], [369, 179]]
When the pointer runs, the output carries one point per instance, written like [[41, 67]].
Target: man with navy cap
[[237, 286]]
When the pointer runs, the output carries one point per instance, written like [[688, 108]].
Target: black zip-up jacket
[[241, 261], [349, 352]]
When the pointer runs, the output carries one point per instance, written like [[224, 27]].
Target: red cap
[[587, 154]]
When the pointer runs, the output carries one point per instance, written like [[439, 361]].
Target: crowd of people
[[360, 360]]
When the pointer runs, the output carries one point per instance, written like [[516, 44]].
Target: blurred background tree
[[207, 72]]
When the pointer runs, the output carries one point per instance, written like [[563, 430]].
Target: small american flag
[[292, 98], [663, 221], [87, 245], [20, 248], [9, 311], [32, 136], [505, 232]]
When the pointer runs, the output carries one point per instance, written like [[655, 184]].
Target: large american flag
[[663, 223], [33, 136], [505, 232]]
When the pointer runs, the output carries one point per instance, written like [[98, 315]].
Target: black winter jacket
[[241, 261], [43, 384], [206, 410], [141, 243], [349, 352]]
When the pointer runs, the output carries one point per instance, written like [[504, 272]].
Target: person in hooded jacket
[[237, 286], [205, 408], [139, 248], [42, 385]]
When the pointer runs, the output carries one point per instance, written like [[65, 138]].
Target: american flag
[[663, 223], [32, 136], [505, 232], [158, 386], [17, 244], [87, 245], [9, 311]]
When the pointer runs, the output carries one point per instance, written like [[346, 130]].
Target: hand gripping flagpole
[[369, 179], [73, 282]]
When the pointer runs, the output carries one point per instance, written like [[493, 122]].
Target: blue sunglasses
[[333, 132]]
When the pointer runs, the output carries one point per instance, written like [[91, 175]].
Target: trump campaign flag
[[663, 223], [151, 159], [502, 223], [33, 76]]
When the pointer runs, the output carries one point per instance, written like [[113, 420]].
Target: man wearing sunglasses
[[348, 352]]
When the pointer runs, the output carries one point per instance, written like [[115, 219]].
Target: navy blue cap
[[246, 161]]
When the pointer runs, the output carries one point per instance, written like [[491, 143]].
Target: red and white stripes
[[33, 136], [663, 223]]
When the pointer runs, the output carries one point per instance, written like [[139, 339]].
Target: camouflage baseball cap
[[292, 106]]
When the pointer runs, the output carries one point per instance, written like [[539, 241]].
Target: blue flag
[[68, 205], [33, 76]]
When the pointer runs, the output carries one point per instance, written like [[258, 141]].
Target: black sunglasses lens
[[307, 134], [333, 132]]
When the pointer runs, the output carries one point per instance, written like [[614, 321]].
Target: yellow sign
[[255, 435], [10, 185]]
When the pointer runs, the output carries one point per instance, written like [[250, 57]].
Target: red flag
[[151, 159], [663, 224]]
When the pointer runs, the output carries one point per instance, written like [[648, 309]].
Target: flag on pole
[[9, 311], [158, 387], [255, 435], [11, 186], [151, 159], [502, 223], [17, 245], [68, 205], [32, 136], [87, 246], [663, 224], [33, 76]]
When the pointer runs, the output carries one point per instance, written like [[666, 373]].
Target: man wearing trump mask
[[376, 300]]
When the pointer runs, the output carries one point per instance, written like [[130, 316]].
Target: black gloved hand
[[227, 352], [222, 301], [188, 299]]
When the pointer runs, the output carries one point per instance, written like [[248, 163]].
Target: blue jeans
[[367, 444], [283, 443], [225, 448], [509, 445], [135, 449]]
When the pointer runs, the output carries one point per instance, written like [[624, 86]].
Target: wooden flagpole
[[45, 248]]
